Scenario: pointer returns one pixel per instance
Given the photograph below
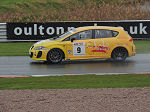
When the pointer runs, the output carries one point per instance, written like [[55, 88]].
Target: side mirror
[[72, 39]]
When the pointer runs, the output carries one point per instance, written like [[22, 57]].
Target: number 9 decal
[[78, 48]]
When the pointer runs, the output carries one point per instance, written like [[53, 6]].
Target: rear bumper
[[133, 53], [132, 50]]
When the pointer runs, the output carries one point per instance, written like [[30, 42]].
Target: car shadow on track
[[93, 61], [84, 66]]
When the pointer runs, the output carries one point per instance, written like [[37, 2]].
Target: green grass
[[21, 49], [142, 46], [89, 81], [13, 2], [15, 49]]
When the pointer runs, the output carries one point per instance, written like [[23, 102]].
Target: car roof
[[99, 27]]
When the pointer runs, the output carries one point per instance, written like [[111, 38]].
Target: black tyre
[[55, 56], [119, 54]]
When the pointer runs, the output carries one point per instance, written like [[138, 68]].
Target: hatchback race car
[[90, 42]]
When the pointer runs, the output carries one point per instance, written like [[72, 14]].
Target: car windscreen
[[63, 35]]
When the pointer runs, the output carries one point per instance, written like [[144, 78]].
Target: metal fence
[[3, 31]]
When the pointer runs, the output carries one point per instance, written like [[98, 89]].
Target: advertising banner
[[40, 31]]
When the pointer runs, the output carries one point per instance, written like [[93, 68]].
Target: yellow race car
[[90, 42]]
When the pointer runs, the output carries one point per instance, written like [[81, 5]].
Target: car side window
[[102, 33], [87, 34], [115, 33]]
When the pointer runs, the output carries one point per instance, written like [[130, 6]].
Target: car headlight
[[39, 48]]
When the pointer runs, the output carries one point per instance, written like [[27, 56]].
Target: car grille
[[31, 55], [39, 54]]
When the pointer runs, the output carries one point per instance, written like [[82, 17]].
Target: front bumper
[[38, 55]]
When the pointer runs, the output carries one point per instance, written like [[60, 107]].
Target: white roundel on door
[[78, 48]]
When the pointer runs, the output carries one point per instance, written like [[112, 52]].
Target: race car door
[[80, 45], [102, 42]]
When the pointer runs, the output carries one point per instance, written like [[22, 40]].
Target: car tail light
[[131, 40]]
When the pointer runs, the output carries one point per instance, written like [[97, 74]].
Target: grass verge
[[66, 82], [22, 48], [142, 46], [15, 49]]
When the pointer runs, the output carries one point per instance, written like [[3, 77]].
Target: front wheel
[[55, 56], [119, 54]]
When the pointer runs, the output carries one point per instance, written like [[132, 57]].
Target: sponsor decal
[[69, 51], [119, 44], [45, 49], [127, 45], [101, 49], [100, 46]]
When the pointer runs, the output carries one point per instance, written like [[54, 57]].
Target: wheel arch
[[121, 48], [58, 49]]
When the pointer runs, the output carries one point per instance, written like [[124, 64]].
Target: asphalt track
[[23, 65]]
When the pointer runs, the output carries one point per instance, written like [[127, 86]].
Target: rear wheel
[[55, 56], [119, 54]]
